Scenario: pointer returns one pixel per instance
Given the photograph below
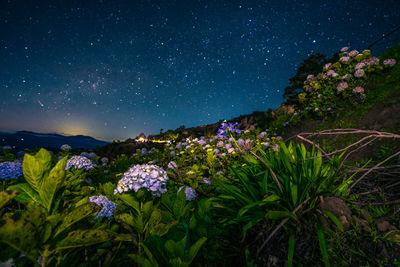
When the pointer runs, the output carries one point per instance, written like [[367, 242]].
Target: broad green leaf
[[142, 261], [27, 193], [194, 249], [6, 196], [44, 157], [21, 235], [162, 229], [76, 215], [126, 218], [33, 171], [80, 238], [52, 183], [130, 201]]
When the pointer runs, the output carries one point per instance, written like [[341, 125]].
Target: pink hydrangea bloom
[[344, 59], [309, 76], [332, 73], [360, 65], [353, 53], [327, 66], [391, 62], [359, 73], [358, 90], [371, 61], [344, 49], [342, 86]]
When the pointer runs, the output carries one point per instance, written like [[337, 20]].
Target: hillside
[[312, 183]]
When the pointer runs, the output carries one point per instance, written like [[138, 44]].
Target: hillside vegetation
[[312, 183]]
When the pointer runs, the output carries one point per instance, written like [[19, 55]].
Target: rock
[[339, 208], [384, 226]]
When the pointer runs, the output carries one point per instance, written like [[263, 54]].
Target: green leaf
[[6, 196], [334, 219], [52, 183], [291, 248], [21, 235], [322, 245], [162, 229], [278, 215], [33, 171], [130, 201], [194, 249], [80, 238], [44, 157], [27, 193], [76, 215]]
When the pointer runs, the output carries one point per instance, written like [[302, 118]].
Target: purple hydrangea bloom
[[228, 128], [10, 170], [228, 146], [151, 177], [108, 206], [143, 151], [172, 165], [202, 142], [206, 181], [189, 192], [88, 155], [172, 153], [79, 162], [240, 142]]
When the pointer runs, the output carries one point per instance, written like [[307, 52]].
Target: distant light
[[314, 41]]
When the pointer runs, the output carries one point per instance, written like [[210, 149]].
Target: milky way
[[113, 69]]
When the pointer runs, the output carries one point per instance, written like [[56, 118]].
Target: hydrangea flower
[[189, 192], [202, 142], [309, 76], [228, 128], [151, 177], [172, 153], [342, 86], [391, 62], [65, 147], [172, 165], [220, 144], [216, 151], [358, 90], [79, 162], [344, 59], [143, 151], [353, 53], [344, 49], [359, 73], [108, 206], [360, 65], [206, 181], [261, 135], [104, 160], [327, 66], [10, 170]]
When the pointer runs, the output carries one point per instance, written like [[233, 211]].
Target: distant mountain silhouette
[[25, 139]]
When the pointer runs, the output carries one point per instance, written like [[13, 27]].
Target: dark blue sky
[[112, 69]]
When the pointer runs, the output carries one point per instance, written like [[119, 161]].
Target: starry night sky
[[112, 69]]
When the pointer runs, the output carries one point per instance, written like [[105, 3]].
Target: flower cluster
[[79, 162], [228, 128], [390, 62], [151, 177], [65, 147], [10, 170], [108, 206], [345, 79], [189, 192]]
